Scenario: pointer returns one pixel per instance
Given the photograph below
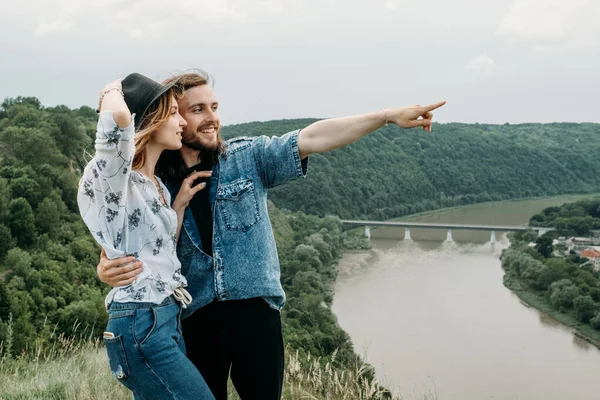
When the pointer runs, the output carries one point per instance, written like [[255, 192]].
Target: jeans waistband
[[130, 305], [180, 296]]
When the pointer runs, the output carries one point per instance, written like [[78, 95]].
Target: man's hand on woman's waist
[[118, 272]]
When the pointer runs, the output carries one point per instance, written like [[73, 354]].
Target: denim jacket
[[245, 262]]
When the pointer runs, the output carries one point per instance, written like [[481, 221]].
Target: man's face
[[199, 108]]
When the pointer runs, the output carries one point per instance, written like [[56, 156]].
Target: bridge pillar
[[543, 231], [407, 234], [368, 232], [449, 236], [493, 237]]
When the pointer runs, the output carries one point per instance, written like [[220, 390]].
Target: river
[[435, 320]]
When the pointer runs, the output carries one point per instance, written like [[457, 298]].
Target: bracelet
[[112, 89], [385, 116]]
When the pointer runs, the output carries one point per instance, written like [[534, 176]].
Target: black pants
[[241, 336]]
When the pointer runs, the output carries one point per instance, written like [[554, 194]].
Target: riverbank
[[541, 303]]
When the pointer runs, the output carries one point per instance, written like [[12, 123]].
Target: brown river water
[[434, 318]]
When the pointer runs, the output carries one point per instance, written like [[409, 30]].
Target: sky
[[493, 61]]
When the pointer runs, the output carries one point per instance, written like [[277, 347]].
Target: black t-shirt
[[200, 206]]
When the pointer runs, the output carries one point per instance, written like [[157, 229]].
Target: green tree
[[19, 261], [308, 254], [7, 242], [50, 213], [585, 308], [550, 275], [543, 245], [595, 322], [83, 313], [4, 302], [32, 102], [70, 135], [5, 196], [533, 271], [306, 282], [31, 146], [563, 294], [26, 188], [22, 222], [529, 236]]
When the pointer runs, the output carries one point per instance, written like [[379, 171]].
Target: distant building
[[582, 241], [590, 253], [593, 255]]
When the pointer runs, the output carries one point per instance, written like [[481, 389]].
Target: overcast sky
[[494, 61]]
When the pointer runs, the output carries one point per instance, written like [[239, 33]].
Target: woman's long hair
[[156, 116]]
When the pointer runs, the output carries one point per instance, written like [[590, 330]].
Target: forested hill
[[394, 172], [47, 257]]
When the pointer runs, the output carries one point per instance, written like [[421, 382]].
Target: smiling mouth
[[208, 130]]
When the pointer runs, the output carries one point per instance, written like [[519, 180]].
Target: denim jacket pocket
[[238, 204], [117, 358]]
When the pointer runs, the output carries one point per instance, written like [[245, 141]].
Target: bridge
[[408, 225]]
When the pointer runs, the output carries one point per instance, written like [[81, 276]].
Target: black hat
[[140, 92]]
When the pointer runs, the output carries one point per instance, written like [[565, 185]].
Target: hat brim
[[155, 96]]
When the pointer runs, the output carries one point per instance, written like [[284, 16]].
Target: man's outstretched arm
[[332, 133]]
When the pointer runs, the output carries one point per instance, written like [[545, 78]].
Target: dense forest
[[577, 218], [394, 172], [48, 280], [552, 278]]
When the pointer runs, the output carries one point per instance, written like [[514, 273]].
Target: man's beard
[[207, 152]]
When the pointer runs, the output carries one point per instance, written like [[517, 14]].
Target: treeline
[[560, 281], [577, 218], [395, 172]]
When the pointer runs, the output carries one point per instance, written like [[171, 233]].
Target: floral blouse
[[122, 209]]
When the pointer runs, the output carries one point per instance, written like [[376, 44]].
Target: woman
[[128, 211]]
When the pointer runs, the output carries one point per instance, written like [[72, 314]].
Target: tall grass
[[70, 368], [77, 369], [314, 378]]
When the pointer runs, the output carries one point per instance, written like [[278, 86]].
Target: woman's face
[[169, 135]]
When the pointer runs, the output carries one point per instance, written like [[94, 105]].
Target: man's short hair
[[190, 79]]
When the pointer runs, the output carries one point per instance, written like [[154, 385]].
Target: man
[[227, 248]]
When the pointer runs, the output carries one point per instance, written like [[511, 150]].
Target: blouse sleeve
[[102, 193]]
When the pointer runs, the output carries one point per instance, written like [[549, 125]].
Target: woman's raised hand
[[113, 99]]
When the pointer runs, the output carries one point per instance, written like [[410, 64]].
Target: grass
[[70, 371], [78, 370]]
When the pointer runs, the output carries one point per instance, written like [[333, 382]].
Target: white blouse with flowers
[[122, 209]]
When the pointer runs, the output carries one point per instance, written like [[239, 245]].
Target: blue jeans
[[147, 352]]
